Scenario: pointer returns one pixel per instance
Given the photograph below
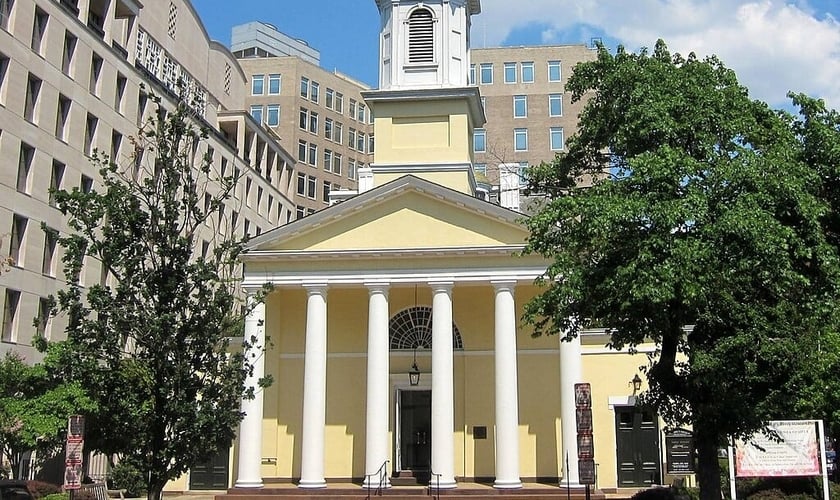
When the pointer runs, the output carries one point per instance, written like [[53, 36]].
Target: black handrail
[[382, 472], [437, 485]]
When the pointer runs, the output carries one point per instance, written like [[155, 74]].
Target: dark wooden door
[[637, 447], [416, 430], [212, 475]]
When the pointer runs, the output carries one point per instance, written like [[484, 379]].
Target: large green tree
[[151, 342], [683, 214]]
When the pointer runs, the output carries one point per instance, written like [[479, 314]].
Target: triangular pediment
[[408, 213]]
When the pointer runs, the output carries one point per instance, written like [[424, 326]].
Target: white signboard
[[795, 451]]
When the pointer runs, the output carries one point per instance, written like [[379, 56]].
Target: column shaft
[[314, 390], [443, 412], [250, 429], [507, 390], [376, 423]]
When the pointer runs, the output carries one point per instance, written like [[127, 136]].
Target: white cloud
[[773, 45]]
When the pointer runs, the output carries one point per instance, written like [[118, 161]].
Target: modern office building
[[397, 352], [529, 113], [76, 76], [319, 115]]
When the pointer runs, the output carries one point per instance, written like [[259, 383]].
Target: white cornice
[[274, 255]]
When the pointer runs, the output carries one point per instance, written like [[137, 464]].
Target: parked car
[[14, 490]]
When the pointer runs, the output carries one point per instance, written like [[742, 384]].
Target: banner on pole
[[794, 451]]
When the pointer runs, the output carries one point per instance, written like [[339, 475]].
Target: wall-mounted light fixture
[[637, 383], [414, 373]]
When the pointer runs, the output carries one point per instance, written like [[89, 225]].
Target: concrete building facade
[[75, 77]]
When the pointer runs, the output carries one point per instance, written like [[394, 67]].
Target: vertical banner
[[585, 442], [73, 457]]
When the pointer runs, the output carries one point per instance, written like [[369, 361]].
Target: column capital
[[503, 284], [442, 285], [316, 288], [378, 286]]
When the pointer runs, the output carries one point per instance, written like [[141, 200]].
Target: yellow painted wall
[[427, 132]]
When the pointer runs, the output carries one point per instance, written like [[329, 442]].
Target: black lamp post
[[414, 373]]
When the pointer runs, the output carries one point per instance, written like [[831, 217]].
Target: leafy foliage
[[34, 407], [151, 343], [683, 214]]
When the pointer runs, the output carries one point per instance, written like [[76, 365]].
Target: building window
[[520, 106], [16, 243], [351, 168], [116, 144], [360, 142], [338, 133], [62, 116], [313, 154], [352, 109], [90, 133], [523, 173], [257, 84], [351, 138], [528, 72], [302, 151], [360, 115], [301, 184], [480, 168], [95, 73], [39, 29], [10, 314], [472, 74], [120, 93], [328, 128], [554, 72], [336, 164], [304, 87], [370, 144], [421, 36], [274, 84], [327, 159], [33, 90], [256, 113], [479, 140], [327, 187], [300, 212], [557, 140], [555, 105], [329, 96], [273, 115], [510, 72], [303, 118], [339, 102], [42, 330], [520, 139], [67, 55], [314, 92], [311, 186], [56, 178], [4, 68], [313, 122], [50, 240], [486, 73], [5, 13], [27, 154], [86, 184]]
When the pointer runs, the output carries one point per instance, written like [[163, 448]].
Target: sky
[[774, 46]]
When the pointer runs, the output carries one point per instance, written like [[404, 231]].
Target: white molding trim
[[614, 401]]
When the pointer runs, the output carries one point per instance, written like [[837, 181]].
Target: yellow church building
[[393, 331]]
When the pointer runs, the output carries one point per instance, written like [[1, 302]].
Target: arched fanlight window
[[412, 328], [421, 37]]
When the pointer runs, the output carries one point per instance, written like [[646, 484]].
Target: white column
[[507, 389], [376, 423], [250, 429], [570, 374], [443, 409], [314, 389]]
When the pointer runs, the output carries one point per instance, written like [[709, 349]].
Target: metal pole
[[568, 480]]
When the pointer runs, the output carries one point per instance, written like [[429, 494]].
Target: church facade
[[393, 332]]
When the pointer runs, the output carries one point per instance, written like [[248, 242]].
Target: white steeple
[[425, 43]]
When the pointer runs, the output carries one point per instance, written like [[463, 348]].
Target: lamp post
[[414, 373]]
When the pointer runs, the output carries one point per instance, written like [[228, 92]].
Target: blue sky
[[773, 45]]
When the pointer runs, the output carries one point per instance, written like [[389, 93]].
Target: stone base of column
[[312, 484], [503, 484], [248, 484], [442, 484], [573, 485], [372, 484]]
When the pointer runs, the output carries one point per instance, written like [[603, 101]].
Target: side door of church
[[637, 447], [212, 475]]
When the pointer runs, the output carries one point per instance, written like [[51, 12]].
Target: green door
[[212, 475], [637, 447], [416, 431]]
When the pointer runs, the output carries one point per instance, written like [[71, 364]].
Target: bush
[[57, 496], [771, 494], [40, 489], [654, 494], [125, 476]]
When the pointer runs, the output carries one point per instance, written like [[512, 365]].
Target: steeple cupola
[[425, 43]]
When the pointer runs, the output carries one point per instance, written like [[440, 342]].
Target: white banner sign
[[795, 452]]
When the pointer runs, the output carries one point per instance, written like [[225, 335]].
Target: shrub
[[125, 476], [57, 496], [771, 494], [40, 489], [654, 494]]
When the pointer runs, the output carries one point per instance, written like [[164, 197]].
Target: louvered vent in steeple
[[421, 37]]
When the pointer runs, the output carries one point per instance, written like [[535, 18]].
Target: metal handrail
[[437, 485], [382, 472]]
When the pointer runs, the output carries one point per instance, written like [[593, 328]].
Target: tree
[[701, 232], [34, 408], [151, 343]]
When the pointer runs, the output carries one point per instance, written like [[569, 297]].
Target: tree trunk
[[708, 467]]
